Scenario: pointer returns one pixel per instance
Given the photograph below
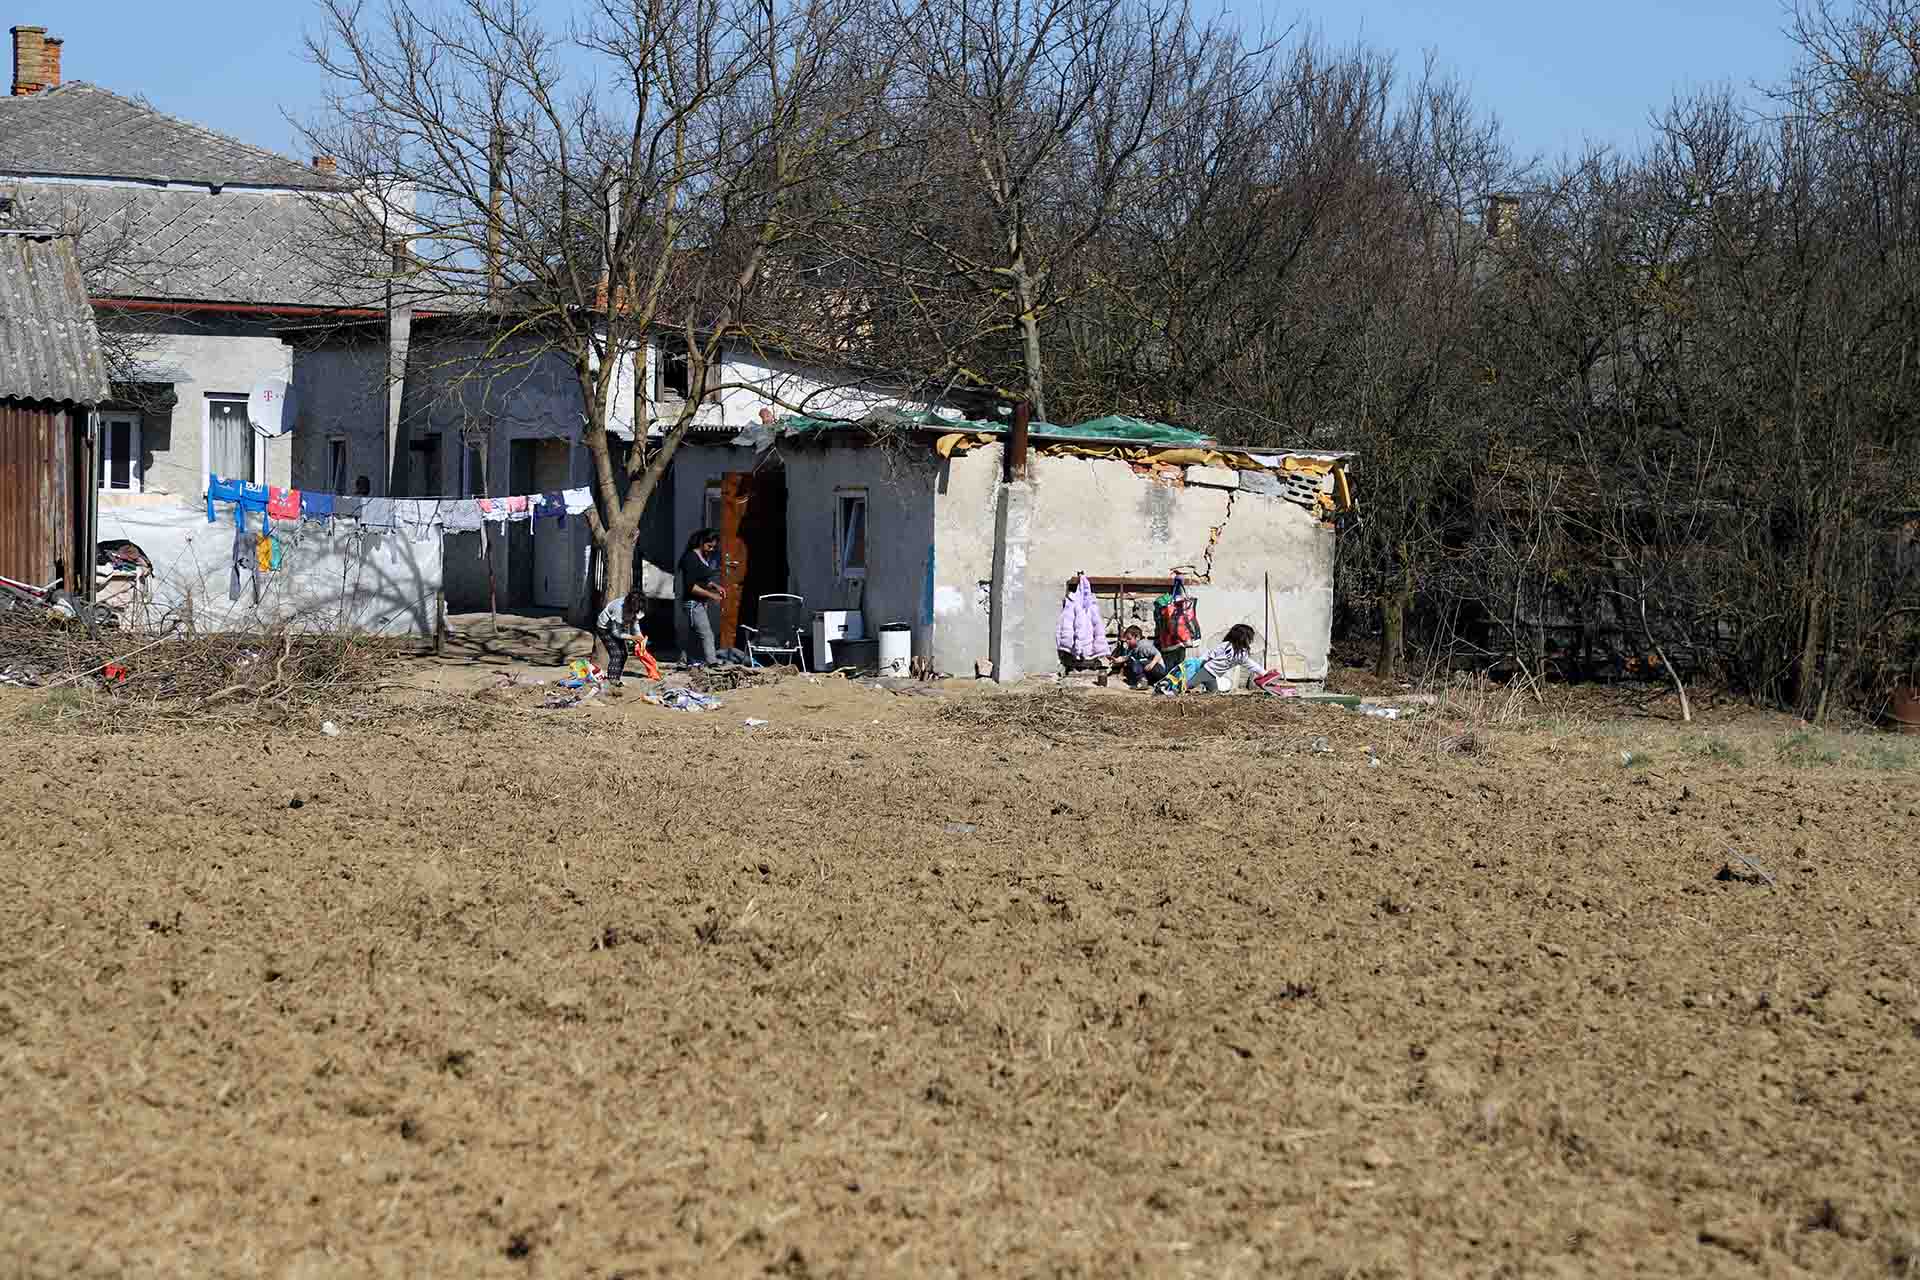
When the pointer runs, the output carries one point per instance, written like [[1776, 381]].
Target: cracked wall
[[1101, 517]]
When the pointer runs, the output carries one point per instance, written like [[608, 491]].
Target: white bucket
[[896, 649], [830, 625]]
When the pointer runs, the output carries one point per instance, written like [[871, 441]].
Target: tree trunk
[[1393, 629]]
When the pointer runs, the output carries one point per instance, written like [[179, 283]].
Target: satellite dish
[[270, 407]]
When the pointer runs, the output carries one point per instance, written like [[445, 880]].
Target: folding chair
[[778, 635]]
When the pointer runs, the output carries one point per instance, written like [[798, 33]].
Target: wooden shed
[[52, 374]]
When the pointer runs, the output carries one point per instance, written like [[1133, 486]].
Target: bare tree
[[583, 189], [1016, 130]]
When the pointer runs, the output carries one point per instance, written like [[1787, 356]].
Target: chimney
[[1503, 216], [50, 64], [323, 164], [29, 60]]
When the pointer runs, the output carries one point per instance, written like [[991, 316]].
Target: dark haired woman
[[699, 587]]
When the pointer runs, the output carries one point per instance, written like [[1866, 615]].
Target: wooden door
[[736, 496]]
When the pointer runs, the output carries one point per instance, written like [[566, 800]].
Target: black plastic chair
[[782, 618]]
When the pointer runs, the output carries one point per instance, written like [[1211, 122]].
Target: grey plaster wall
[[899, 487], [216, 355], [1098, 516], [451, 387]]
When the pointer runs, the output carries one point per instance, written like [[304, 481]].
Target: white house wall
[[334, 577], [752, 381], [173, 443], [1098, 516]]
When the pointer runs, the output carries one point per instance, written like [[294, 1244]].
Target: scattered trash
[[756, 724], [1626, 758], [20, 677], [560, 701], [510, 680], [1320, 747], [683, 700], [1381, 713], [114, 673], [329, 728], [961, 828]]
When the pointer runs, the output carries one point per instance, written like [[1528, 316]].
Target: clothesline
[[452, 515]]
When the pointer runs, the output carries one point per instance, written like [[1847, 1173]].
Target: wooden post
[[1017, 442], [440, 622], [1266, 618]]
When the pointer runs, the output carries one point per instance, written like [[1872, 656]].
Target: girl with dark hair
[[1218, 663], [619, 628], [699, 587]]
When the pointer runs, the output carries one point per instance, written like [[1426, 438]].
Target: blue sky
[[1557, 74]]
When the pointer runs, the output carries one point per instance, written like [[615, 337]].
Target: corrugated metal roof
[[49, 347]]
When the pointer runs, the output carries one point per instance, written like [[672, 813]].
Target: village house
[[489, 411], [196, 249], [893, 521]]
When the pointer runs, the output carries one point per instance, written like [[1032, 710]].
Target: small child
[[1141, 657], [1219, 662], [619, 627]]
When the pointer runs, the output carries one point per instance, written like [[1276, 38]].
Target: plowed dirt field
[[997, 984]]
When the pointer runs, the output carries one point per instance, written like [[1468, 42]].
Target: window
[[710, 513], [423, 466], [672, 370], [338, 457], [120, 453], [231, 447], [476, 472], [851, 529]]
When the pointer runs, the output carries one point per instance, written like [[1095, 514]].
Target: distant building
[[197, 249]]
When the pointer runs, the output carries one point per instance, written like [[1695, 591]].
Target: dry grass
[[285, 673]]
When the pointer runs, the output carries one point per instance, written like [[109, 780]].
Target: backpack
[[1176, 621]]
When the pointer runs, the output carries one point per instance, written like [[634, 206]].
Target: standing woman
[[619, 625], [699, 587]]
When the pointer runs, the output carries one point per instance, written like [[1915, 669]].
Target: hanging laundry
[[578, 501], [348, 508], [494, 509], [316, 506], [242, 554], [378, 513], [1080, 634], [462, 515], [263, 553], [219, 490], [417, 516], [517, 508], [283, 504], [551, 507]]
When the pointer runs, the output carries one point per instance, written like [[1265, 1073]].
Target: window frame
[[713, 505], [337, 475], [136, 478], [843, 498], [428, 444], [206, 436]]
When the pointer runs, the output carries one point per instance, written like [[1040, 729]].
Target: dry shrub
[[281, 671]]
